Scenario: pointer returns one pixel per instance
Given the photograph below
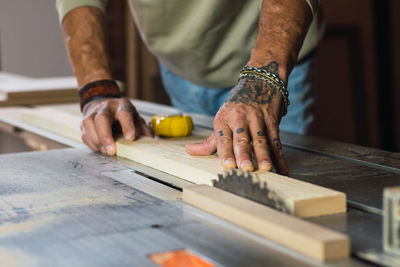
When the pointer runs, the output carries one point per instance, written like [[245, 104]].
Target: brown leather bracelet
[[96, 89]]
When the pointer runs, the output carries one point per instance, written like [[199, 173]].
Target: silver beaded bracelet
[[269, 77]]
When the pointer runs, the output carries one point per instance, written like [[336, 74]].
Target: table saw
[[73, 207]]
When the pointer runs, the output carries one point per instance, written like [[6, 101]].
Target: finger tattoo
[[239, 130], [220, 133], [260, 133], [277, 143]]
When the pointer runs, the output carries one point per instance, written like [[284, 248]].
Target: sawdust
[[8, 229], [15, 258], [37, 203]]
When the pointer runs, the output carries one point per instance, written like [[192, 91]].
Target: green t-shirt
[[204, 41]]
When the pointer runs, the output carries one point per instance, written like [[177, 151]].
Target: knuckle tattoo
[[277, 142], [239, 130]]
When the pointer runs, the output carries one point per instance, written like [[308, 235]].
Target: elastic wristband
[[96, 89]]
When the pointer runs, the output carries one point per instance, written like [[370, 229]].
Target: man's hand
[[247, 123], [97, 125], [84, 38]]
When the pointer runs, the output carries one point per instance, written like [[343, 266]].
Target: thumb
[[205, 148]]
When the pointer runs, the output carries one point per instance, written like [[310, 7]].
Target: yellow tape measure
[[176, 125]]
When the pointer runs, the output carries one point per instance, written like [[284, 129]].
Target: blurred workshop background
[[358, 62]]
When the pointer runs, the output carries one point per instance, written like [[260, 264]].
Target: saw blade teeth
[[251, 186]]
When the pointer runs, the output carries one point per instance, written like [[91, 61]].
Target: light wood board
[[303, 199], [307, 238], [168, 155], [53, 120], [16, 89]]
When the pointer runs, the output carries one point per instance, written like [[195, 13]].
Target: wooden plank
[[11, 117], [307, 238], [168, 155], [53, 120], [15, 89]]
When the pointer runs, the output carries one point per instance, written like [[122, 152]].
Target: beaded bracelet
[[98, 89], [269, 77]]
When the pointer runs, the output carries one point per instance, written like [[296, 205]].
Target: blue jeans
[[193, 98]]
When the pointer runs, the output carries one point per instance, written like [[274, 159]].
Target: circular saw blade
[[248, 185]]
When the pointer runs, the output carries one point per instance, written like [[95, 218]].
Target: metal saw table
[[72, 207]]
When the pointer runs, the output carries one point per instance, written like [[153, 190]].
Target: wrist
[[87, 76], [98, 89], [274, 65], [270, 77]]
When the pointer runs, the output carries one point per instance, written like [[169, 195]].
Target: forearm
[[83, 30], [282, 27]]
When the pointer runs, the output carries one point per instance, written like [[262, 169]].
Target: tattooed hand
[[247, 123], [97, 130]]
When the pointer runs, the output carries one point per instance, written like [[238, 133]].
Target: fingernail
[[102, 150], [246, 165], [229, 163], [129, 136], [265, 165], [110, 150]]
